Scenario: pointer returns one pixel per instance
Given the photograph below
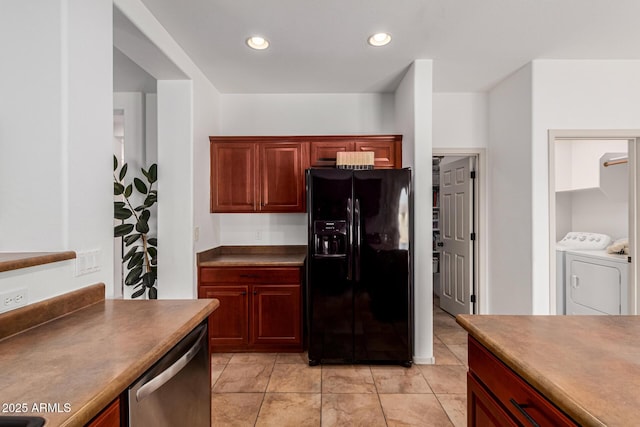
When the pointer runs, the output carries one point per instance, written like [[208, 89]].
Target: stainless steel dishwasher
[[176, 390]]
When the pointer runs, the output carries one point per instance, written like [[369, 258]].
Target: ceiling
[[320, 46]]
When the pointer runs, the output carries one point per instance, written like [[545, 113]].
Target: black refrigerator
[[359, 284]]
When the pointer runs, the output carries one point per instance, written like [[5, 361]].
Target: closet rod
[[613, 162]]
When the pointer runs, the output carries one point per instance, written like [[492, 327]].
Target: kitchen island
[[68, 358], [585, 368]]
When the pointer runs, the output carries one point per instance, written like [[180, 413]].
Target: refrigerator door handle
[[349, 237], [357, 240]]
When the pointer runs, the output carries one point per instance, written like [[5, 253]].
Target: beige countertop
[[85, 358], [588, 366], [258, 256]]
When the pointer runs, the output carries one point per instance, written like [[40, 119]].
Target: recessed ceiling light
[[257, 42], [379, 39]]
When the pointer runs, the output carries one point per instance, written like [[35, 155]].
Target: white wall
[[460, 120], [129, 76], [413, 115], [509, 167], [183, 155], [57, 124], [307, 114], [295, 114], [578, 94]]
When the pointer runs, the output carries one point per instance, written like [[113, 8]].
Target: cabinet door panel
[[109, 417], [482, 410], [324, 153], [233, 177], [276, 314], [385, 153], [228, 325], [282, 177]]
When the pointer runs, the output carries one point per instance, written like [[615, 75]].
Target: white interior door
[[456, 255]]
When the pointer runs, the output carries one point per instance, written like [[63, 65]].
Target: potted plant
[[141, 258]]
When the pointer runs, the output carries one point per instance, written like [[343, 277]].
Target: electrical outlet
[[196, 234], [13, 299], [259, 235]]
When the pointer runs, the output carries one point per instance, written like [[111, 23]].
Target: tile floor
[[281, 389]]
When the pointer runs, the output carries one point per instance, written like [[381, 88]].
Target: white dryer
[[574, 240], [596, 282]]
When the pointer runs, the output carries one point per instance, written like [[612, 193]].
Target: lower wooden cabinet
[[109, 417], [497, 396], [260, 308]]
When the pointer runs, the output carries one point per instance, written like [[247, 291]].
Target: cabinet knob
[[243, 293], [255, 292]]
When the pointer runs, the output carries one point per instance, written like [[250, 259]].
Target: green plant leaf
[[122, 230], [115, 163], [153, 241], [129, 240], [150, 200], [119, 205], [122, 213], [139, 208], [118, 189], [142, 226], [129, 254], [148, 279], [145, 173], [134, 276], [140, 186], [128, 191], [123, 172], [153, 173], [153, 293], [136, 260], [152, 251], [145, 215], [138, 293]]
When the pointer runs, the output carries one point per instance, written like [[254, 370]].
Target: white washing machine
[[596, 282], [574, 240]]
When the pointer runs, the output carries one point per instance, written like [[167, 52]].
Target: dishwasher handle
[[159, 380]]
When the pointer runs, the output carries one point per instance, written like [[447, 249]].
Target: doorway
[[592, 191], [458, 197]]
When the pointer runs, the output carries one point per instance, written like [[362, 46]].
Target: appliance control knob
[[591, 239], [597, 239], [582, 238]]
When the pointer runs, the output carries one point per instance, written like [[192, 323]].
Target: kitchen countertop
[[258, 256], [16, 260], [588, 366], [87, 357]]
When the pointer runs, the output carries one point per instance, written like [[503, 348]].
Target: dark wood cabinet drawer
[[511, 392], [249, 275]]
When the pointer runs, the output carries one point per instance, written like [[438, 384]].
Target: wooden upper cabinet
[[282, 186], [387, 149], [233, 171], [266, 173], [323, 153], [258, 174]]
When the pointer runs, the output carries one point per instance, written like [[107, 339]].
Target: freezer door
[[383, 290], [328, 285]]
